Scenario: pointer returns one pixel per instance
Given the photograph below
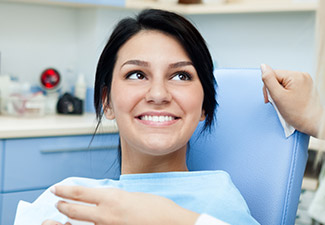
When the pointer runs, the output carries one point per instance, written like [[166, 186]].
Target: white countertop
[[54, 125], [61, 125]]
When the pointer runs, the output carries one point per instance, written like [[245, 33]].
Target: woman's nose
[[158, 93]]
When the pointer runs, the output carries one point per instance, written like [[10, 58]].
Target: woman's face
[[156, 95]]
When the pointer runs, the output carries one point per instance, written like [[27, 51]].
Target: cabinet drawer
[[10, 203], [37, 163]]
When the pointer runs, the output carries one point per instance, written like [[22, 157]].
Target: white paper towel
[[288, 129]]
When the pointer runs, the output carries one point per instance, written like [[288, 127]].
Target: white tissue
[[288, 129], [21, 210]]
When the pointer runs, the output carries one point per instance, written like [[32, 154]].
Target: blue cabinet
[[1, 165], [30, 165], [10, 201], [1, 175]]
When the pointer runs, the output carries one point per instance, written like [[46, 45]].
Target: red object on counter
[[50, 79]]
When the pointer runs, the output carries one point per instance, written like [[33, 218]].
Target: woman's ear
[[108, 110], [202, 115]]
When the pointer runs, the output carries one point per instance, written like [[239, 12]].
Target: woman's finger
[[78, 193], [266, 99], [78, 211], [271, 82]]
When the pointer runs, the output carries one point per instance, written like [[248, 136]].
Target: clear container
[[25, 105]]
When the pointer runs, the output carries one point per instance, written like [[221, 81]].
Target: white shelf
[[73, 3], [226, 8], [209, 8], [316, 144]]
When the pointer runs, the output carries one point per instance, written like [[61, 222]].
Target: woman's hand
[[296, 98], [114, 206]]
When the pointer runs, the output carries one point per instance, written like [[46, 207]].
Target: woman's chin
[[160, 147]]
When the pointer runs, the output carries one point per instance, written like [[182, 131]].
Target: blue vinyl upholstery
[[249, 143]]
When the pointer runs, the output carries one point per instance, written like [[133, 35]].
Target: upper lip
[[157, 114]]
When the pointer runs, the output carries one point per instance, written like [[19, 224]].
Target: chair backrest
[[249, 143]]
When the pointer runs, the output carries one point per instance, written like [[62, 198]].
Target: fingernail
[[52, 189], [56, 205], [263, 68]]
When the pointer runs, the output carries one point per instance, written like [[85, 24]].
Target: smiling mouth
[[160, 119], [155, 118]]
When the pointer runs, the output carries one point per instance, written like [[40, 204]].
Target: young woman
[[297, 102], [155, 78]]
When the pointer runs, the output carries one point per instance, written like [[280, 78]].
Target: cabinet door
[[10, 202], [1, 165], [37, 163]]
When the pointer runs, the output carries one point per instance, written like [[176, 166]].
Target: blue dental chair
[[249, 143]]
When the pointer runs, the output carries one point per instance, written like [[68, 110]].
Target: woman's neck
[[137, 162]]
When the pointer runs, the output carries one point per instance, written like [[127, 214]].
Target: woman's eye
[[182, 76], [135, 76]]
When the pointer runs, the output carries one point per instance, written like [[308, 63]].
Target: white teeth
[[157, 118]]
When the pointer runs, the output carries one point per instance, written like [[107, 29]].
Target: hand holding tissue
[[295, 99], [288, 129]]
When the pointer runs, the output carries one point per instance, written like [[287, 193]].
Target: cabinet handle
[[102, 148]]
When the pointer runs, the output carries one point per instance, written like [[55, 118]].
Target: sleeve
[[205, 219]]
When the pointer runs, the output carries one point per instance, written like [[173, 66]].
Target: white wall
[[34, 37], [283, 40], [94, 29]]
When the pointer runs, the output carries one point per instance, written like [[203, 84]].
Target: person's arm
[[296, 98], [114, 206]]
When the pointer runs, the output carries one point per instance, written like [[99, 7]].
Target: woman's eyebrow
[[146, 64], [180, 64], [136, 62]]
